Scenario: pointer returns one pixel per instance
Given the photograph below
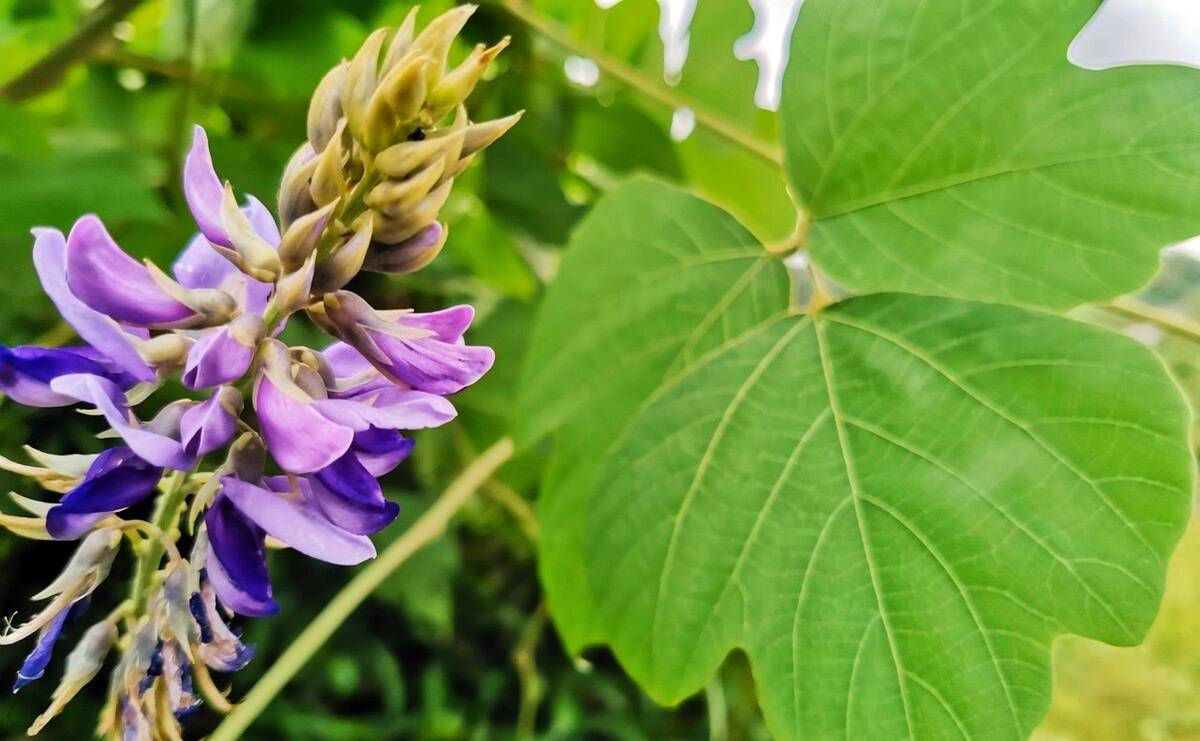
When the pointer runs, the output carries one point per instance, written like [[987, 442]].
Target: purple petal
[[345, 361], [102, 333], [236, 565], [26, 372], [203, 190], [105, 278], [107, 397], [380, 451], [216, 357], [116, 479], [298, 437], [261, 219], [36, 662], [432, 365], [448, 325], [351, 498], [395, 408], [210, 424], [293, 519]]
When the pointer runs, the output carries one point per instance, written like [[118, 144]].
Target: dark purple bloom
[[38, 659], [101, 275], [422, 351], [351, 498], [236, 564], [101, 332], [26, 372], [116, 479]]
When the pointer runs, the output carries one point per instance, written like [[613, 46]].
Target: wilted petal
[[351, 498], [98, 330], [116, 479], [107, 397], [26, 372], [36, 662], [236, 563], [210, 424], [220, 647], [290, 516], [298, 437], [105, 278]]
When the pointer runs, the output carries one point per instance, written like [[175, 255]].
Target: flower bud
[[435, 40], [400, 160], [395, 229], [293, 289], [481, 135], [460, 82], [329, 178], [325, 109], [394, 197], [401, 43], [398, 99], [251, 253], [302, 237], [165, 351], [410, 255], [361, 79], [294, 197], [345, 261], [57, 473]]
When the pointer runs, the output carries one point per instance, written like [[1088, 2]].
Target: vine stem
[[166, 515], [424, 531], [550, 30]]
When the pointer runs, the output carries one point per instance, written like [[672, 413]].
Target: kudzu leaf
[[951, 148], [654, 279], [892, 506]]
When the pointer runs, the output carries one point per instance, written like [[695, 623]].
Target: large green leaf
[[892, 506], [654, 279], [951, 148]]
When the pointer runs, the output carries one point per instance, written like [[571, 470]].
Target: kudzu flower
[[387, 134]]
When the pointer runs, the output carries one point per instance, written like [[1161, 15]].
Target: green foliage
[[952, 149]]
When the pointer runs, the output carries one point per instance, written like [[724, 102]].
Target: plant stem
[[166, 515], [1170, 321], [424, 531], [652, 89], [48, 71], [524, 658]]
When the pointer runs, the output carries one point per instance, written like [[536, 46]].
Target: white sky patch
[[1125, 32], [768, 44], [683, 123], [581, 71]]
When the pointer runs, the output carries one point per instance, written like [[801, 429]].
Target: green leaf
[[952, 149], [654, 279], [892, 506]]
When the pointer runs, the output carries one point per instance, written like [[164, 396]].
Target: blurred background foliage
[[456, 644]]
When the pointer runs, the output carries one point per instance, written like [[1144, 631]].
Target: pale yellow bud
[[435, 40], [398, 99], [294, 198], [480, 135], [165, 350], [252, 254], [394, 197], [345, 261], [401, 42], [361, 78], [293, 289], [303, 236], [410, 255], [329, 178], [458, 84], [394, 229], [400, 160]]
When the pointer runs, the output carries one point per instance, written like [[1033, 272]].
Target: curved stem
[[424, 531], [650, 88], [166, 514]]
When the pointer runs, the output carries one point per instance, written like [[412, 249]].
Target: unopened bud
[[394, 197], [49, 475], [410, 255], [302, 237], [251, 254], [294, 197], [165, 351], [325, 109], [481, 135], [399, 98], [329, 178], [293, 289], [361, 79], [400, 160], [401, 42], [460, 82], [345, 261], [395, 229], [435, 40]]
